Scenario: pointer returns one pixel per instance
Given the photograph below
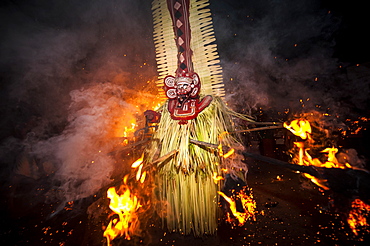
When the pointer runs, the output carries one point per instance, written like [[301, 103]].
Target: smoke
[[280, 55], [82, 151], [67, 72]]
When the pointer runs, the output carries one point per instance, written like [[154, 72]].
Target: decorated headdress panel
[[179, 11], [184, 41]]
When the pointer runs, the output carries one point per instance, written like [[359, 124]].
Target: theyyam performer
[[189, 179]]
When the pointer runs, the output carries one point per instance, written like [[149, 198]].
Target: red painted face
[[182, 86], [183, 92]]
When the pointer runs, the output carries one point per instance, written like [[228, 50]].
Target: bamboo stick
[[164, 157], [260, 129]]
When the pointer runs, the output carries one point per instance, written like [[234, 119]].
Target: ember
[[357, 217], [248, 204]]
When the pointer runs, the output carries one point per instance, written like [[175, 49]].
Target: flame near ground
[[356, 218], [272, 194]]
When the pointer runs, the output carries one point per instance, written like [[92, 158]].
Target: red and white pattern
[[179, 11], [183, 90]]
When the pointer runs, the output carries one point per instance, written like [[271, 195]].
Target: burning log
[[349, 182]]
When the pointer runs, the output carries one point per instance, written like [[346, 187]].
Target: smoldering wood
[[349, 182]]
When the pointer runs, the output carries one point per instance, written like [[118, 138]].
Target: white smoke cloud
[[82, 151]]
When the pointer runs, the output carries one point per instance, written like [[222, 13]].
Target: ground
[[290, 210]]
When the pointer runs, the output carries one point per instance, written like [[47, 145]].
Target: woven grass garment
[[185, 191], [185, 188]]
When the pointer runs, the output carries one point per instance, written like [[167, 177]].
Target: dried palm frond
[[165, 47], [184, 181], [205, 56]]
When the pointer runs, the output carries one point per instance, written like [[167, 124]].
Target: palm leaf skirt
[[185, 189]]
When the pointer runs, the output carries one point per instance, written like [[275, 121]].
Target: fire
[[127, 121], [128, 132], [221, 149], [358, 215], [125, 206], [249, 207], [359, 212], [229, 153], [140, 174], [221, 152], [302, 128], [304, 158], [124, 126], [216, 177], [138, 162], [299, 127]]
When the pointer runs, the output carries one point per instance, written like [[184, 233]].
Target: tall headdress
[[184, 42]]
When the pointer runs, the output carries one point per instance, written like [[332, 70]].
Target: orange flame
[[143, 176], [299, 127], [140, 175], [249, 206], [229, 153], [125, 206], [302, 128], [304, 158], [221, 152], [124, 127], [138, 162], [357, 216], [216, 177], [127, 121]]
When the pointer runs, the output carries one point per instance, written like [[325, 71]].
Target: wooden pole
[[261, 128]]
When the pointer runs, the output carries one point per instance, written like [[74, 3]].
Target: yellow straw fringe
[[184, 182]]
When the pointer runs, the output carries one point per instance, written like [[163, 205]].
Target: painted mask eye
[[183, 86]]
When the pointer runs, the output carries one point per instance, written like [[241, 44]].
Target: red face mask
[[183, 92]]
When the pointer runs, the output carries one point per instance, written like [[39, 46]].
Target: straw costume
[[186, 181]]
